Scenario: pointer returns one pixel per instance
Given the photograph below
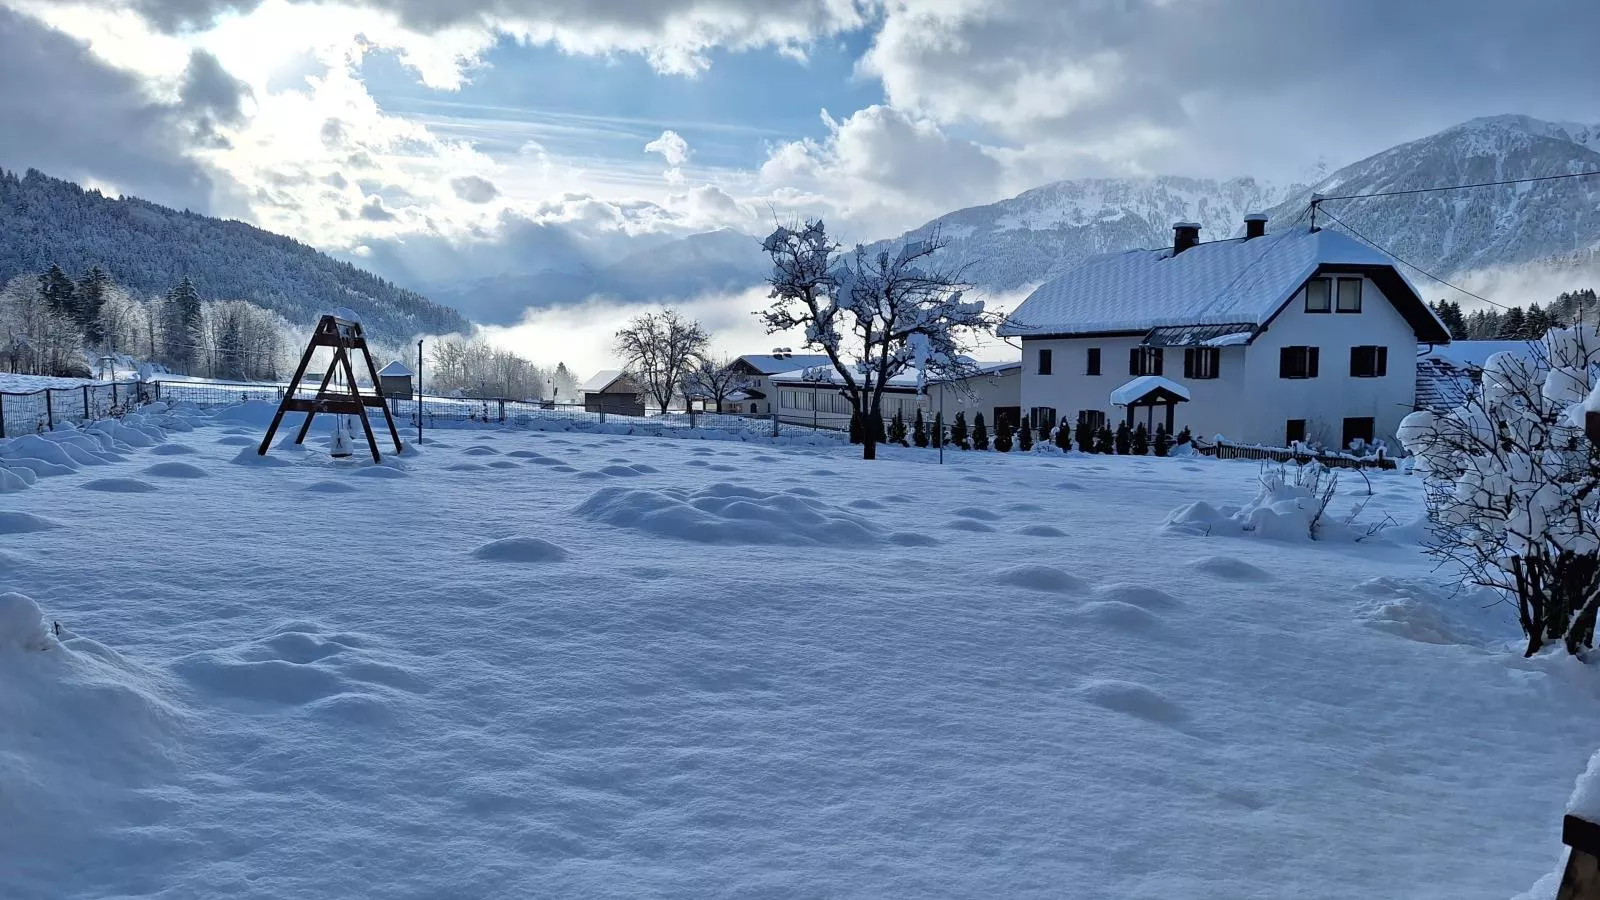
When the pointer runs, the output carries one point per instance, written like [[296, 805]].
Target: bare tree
[[659, 350], [1513, 485], [876, 316], [712, 380], [35, 338]]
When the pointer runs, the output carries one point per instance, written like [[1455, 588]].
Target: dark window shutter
[[1311, 361], [1133, 361], [1188, 363], [1382, 363], [1286, 362]]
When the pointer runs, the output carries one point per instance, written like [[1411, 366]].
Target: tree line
[[54, 324], [1516, 323], [469, 367]]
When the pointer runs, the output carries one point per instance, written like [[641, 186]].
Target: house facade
[[754, 397], [1300, 335], [813, 397]]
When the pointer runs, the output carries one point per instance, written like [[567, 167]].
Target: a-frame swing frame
[[343, 336]]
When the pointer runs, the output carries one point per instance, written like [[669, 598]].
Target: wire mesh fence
[[32, 412]]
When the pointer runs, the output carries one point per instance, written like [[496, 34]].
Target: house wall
[[983, 393], [1326, 400], [1068, 390], [1248, 402], [614, 403]]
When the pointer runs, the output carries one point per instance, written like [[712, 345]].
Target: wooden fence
[[1225, 450]]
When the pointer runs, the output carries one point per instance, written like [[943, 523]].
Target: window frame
[[1327, 295], [1376, 354], [1094, 419], [1140, 358], [1338, 295], [1309, 359], [1202, 363], [1370, 431], [1289, 429], [1046, 361], [1091, 363]]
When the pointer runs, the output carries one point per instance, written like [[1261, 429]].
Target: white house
[[754, 398], [812, 396], [1303, 334]]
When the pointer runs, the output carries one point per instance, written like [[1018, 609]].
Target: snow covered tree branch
[[1512, 485], [877, 316]]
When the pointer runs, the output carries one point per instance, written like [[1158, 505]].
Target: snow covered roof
[[768, 364], [396, 369], [1143, 386], [602, 380], [828, 375], [1216, 283], [1472, 354]]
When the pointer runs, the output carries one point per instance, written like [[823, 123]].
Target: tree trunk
[[869, 444]]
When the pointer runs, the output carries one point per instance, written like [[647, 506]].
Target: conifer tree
[[938, 437], [1002, 435], [1140, 443], [1184, 436], [1514, 325], [1086, 436], [59, 293], [1045, 427], [1163, 442], [1103, 441], [919, 431], [897, 429], [91, 298], [958, 431], [1124, 439], [980, 434], [1064, 436], [1538, 322], [180, 331], [1024, 438], [880, 434]]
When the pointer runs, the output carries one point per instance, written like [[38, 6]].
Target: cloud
[[72, 115], [474, 188], [374, 211], [673, 148]]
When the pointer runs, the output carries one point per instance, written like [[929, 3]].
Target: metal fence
[[31, 412]]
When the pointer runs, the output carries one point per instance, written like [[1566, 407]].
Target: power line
[[1457, 187], [1396, 257]]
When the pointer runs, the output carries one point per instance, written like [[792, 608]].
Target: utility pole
[[419, 391]]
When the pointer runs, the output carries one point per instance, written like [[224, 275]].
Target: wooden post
[[49, 410], [1581, 880], [86, 403]]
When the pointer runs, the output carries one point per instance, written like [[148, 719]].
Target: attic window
[[1319, 296], [1349, 295]]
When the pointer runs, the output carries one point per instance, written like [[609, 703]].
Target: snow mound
[[1119, 615], [15, 480], [173, 450], [176, 470], [466, 467], [1041, 578], [329, 487], [976, 512], [22, 624], [504, 464], [1140, 595], [1412, 611], [1281, 510], [620, 472], [1133, 699], [1041, 531], [1230, 568], [862, 503], [381, 471], [972, 525], [119, 486], [912, 539], [239, 440], [480, 450], [521, 550], [22, 523], [525, 454], [297, 665], [249, 457], [725, 513]]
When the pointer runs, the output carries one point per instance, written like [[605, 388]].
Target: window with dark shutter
[[1044, 362], [1297, 362], [1144, 361], [1093, 365], [1369, 362], [1201, 362]]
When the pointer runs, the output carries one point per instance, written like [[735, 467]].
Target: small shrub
[[1163, 444], [1140, 444], [857, 435], [1103, 441], [1086, 437], [1044, 430], [1124, 440], [1024, 438], [1064, 436], [1002, 436], [897, 430], [980, 433], [958, 432], [1184, 436], [919, 431]]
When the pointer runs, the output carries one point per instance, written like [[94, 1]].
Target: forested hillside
[[148, 249]]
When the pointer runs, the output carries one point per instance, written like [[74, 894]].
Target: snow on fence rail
[[1226, 450], [30, 412]]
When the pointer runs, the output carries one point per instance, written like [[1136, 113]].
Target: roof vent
[[1184, 236], [1255, 225]]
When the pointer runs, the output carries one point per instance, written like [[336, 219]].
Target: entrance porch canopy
[[1148, 392]]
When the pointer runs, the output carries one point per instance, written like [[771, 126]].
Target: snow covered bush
[[1124, 439], [1293, 503], [1514, 485], [1163, 442], [1002, 436], [958, 431], [1025, 438], [1103, 442], [1063, 436], [1140, 444], [980, 433]]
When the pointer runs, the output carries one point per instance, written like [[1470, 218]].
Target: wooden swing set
[[346, 399]]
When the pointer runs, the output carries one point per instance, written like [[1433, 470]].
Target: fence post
[[86, 403], [602, 414], [113, 394], [690, 404], [502, 411], [2, 415], [49, 410], [774, 423]]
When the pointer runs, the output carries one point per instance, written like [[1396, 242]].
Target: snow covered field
[[515, 664]]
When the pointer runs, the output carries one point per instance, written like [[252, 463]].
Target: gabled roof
[[395, 369], [601, 381], [1145, 385], [1243, 280], [908, 379], [772, 365]]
